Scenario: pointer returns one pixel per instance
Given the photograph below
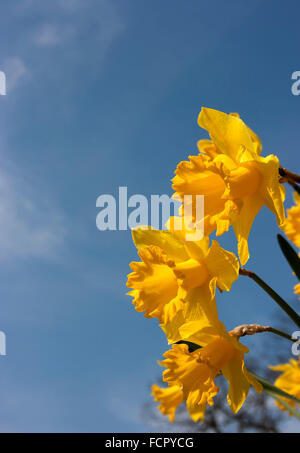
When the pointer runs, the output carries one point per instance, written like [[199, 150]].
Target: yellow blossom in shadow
[[288, 381], [235, 180], [195, 372]]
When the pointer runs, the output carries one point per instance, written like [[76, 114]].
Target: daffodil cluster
[[176, 279]]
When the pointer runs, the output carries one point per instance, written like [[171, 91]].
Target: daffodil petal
[[196, 412], [271, 191], [238, 384], [166, 240], [252, 381], [199, 315], [222, 264], [227, 131], [169, 398], [242, 223]]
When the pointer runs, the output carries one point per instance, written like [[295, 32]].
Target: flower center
[[193, 273], [244, 180], [161, 284], [217, 353]]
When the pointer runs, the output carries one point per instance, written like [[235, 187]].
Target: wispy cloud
[[28, 227], [49, 35], [65, 22], [16, 72]]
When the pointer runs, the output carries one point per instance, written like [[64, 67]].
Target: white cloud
[[75, 21], [50, 35], [75, 27], [47, 35], [29, 227], [16, 72]]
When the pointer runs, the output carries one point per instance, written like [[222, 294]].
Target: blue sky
[[102, 94]]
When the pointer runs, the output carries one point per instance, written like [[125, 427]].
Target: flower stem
[[284, 403], [281, 302], [280, 333], [252, 329], [289, 174], [291, 178], [269, 387]]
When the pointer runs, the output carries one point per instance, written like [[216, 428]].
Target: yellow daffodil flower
[[175, 273], [234, 179], [195, 372], [289, 380]]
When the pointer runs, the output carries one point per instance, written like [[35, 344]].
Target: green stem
[[284, 403], [281, 302], [282, 334], [269, 387], [279, 395]]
